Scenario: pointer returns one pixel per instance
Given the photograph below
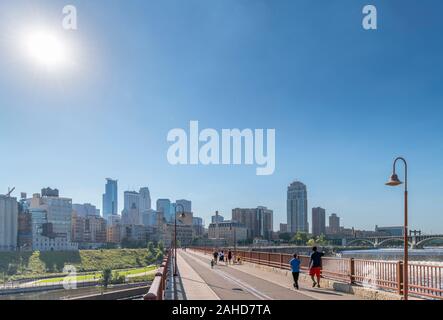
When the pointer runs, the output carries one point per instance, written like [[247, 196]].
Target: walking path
[[242, 282]]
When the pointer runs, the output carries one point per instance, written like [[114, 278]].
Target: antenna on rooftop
[[10, 191]]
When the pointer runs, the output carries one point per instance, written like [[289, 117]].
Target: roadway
[[242, 283]]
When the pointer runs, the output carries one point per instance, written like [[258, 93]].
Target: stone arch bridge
[[415, 241]]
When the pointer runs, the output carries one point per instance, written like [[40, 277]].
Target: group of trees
[[304, 239], [109, 277]]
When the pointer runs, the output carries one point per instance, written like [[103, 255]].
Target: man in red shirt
[[315, 266]]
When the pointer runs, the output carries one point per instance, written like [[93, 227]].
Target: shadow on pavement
[[321, 292]]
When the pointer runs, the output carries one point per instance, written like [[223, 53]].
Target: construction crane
[[10, 191]]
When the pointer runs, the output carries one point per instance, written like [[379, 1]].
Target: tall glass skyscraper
[[110, 202], [164, 206], [297, 208]]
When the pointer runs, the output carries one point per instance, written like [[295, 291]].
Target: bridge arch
[[385, 241], [421, 243], [361, 241]]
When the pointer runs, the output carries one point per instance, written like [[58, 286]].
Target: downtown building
[[84, 210], [136, 206], [110, 199], [24, 235], [164, 207], [230, 231], [198, 227], [334, 224], [131, 210], [297, 208], [89, 232], [318, 221], [51, 221], [186, 205], [8, 223], [258, 221]]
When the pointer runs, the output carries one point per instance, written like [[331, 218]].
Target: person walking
[[295, 268], [215, 254], [315, 266], [229, 256]]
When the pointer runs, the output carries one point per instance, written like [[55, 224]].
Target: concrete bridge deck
[[242, 282]]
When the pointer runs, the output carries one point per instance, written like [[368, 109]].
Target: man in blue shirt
[[295, 268]]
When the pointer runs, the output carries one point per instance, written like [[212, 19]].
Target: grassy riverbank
[[17, 265]]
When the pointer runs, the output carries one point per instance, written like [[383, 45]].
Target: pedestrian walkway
[[194, 286], [243, 282]]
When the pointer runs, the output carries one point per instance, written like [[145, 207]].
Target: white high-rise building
[[297, 208], [131, 212], [145, 199], [51, 222], [8, 223]]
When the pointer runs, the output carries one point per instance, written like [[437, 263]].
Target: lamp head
[[394, 181]]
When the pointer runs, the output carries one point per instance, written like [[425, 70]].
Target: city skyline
[[333, 94], [128, 195]]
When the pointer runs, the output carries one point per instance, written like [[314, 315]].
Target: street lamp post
[[175, 235], [233, 228], [393, 182]]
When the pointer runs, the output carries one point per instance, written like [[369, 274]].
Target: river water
[[434, 254]]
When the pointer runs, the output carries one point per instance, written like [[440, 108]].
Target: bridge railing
[[424, 280], [378, 274], [157, 289]]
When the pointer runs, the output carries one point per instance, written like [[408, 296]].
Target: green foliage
[[159, 256], [106, 277], [27, 264], [151, 247], [144, 278], [161, 246], [311, 242], [12, 269], [300, 238], [321, 240], [118, 278], [285, 236]]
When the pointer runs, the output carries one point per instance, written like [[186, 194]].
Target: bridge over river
[[267, 276]]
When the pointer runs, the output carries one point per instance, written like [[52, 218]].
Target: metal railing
[[157, 289], [425, 280]]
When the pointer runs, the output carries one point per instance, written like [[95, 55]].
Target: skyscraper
[[131, 211], [297, 208], [110, 202], [318, 221], [145, 199], [258, 221], [164, 206], [334, 223]]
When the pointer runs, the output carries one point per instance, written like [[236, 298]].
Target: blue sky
[[344, 102]]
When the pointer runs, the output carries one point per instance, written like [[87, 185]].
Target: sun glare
[[46, 49]]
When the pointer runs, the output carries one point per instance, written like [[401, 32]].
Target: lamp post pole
[[394, 181], [175, 236]]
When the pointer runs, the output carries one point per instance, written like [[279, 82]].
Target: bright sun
[[46, 49]]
